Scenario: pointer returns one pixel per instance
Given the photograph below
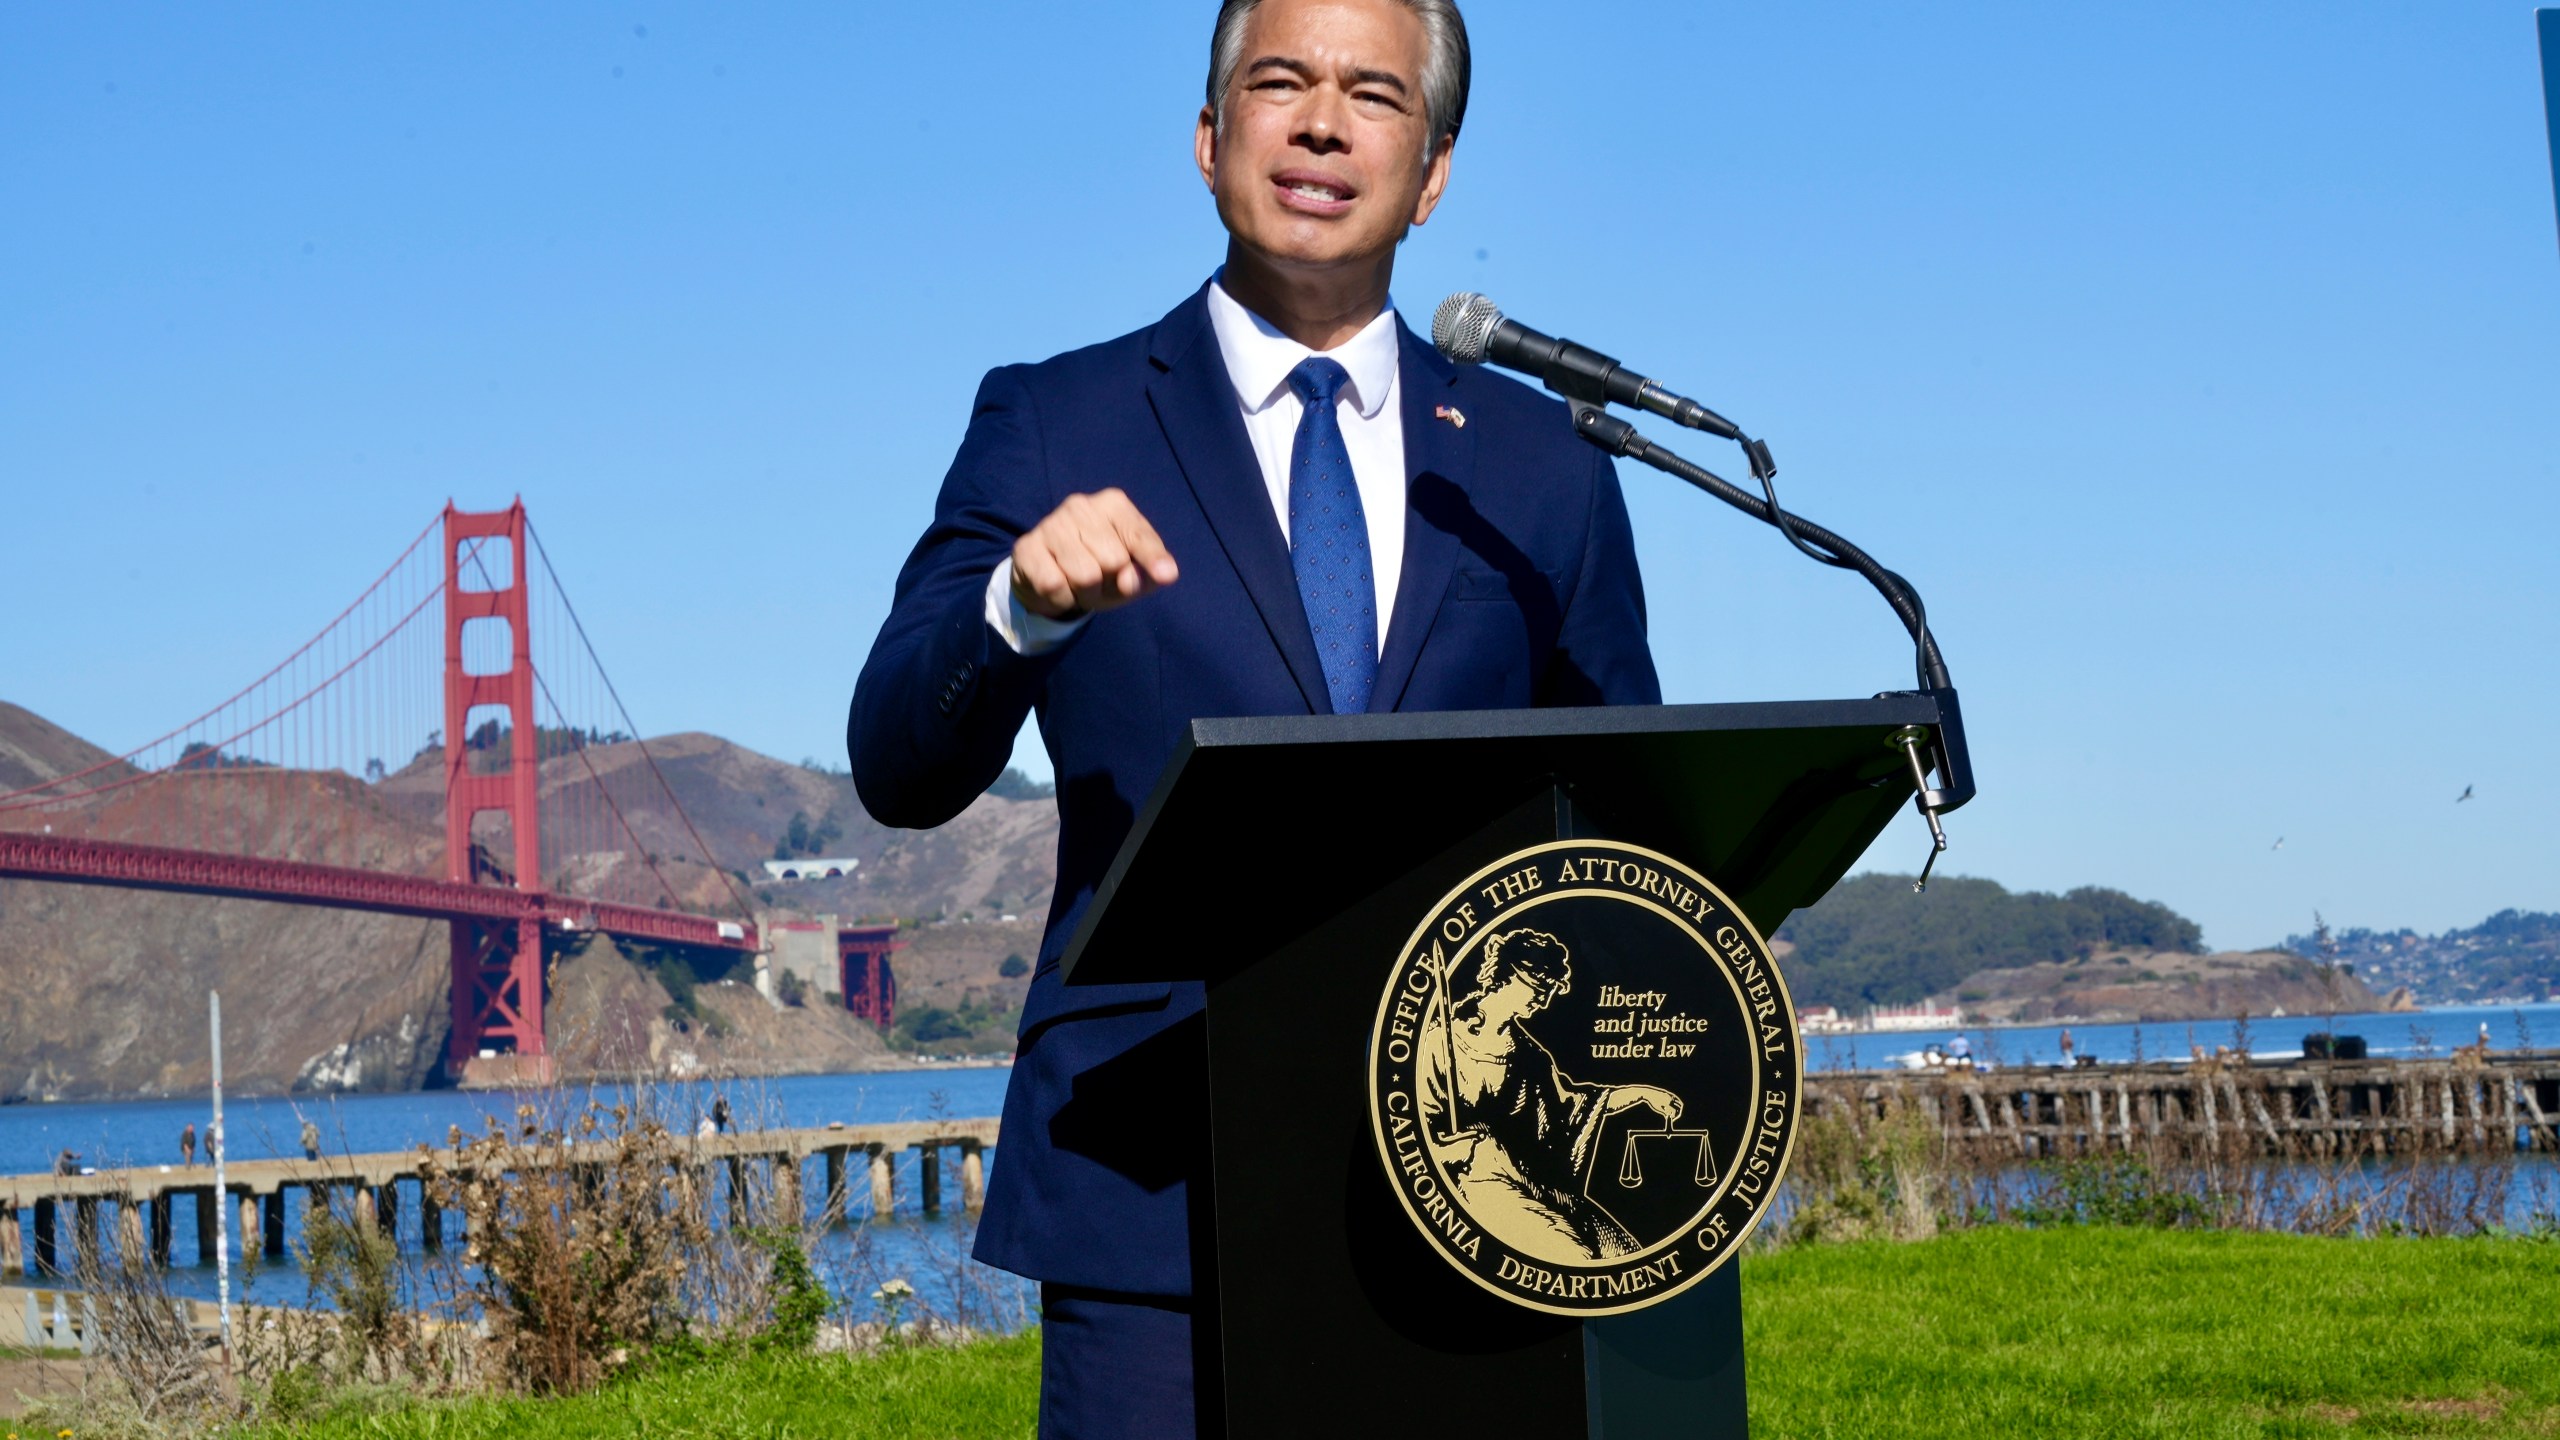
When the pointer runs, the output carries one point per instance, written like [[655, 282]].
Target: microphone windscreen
[[1463, 325]]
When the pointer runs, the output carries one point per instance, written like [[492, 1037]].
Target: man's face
[[1320, 161]]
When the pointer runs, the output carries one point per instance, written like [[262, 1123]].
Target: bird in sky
[[2465, 795], [2278, 845]]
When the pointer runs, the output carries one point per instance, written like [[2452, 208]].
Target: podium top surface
[[1262, 826]]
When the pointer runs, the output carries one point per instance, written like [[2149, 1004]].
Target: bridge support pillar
[[832, 1213], [973, 1178], [271, 1223], [208, 1225], [162, 1223], [48, 1243], [884, 1182], [13, 1258], [929, 1177]]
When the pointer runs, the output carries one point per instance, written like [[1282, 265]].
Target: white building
[[1923, 1016], [815, 867]]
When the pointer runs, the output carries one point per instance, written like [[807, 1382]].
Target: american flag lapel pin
[[1451, 414]]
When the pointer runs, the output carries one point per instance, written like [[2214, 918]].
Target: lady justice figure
[[1510, 1129]]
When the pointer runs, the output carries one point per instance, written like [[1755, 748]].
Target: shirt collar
[[1259, 358]]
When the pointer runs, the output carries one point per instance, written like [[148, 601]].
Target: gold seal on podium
[[1583, 1077]]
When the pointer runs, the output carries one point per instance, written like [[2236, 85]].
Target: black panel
[[1287, 820]]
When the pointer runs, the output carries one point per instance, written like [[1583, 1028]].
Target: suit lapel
[[1195, 402], [1436, 451]]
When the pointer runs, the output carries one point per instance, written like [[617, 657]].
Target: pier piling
[[787, 1204], [832, 1212], [48, 1245], [2471, 1102]]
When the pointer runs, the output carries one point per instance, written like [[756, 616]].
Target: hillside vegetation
[[1873, 942], [2512, 955]]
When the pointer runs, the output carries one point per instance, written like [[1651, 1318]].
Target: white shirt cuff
[[1023, 631]]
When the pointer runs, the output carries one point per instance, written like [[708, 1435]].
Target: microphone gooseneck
[[1472, 330]]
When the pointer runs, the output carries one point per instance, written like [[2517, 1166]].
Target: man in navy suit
[[1275, 500]]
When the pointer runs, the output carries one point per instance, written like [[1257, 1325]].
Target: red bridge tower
[[497, 964]]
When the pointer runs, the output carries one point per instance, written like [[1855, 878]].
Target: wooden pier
[[2471, 1103], [142, 1200]]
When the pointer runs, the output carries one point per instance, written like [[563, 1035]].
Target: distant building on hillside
[[812, 867], [1823, 1019]]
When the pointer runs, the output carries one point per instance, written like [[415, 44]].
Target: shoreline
[[899, 1065], [2103, 1022]]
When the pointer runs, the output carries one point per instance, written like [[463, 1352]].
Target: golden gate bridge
[[433, 701]]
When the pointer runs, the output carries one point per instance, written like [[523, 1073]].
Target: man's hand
[[1093, 553]]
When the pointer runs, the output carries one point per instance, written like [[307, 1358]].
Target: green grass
[[986, 1389], [2105, 1332], [1982, 1334]]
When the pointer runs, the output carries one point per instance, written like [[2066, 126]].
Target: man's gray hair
[[1445, 64]]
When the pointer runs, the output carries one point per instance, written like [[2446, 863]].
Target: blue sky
[[2197, 361]]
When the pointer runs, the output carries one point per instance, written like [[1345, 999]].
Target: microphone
[[1471, 330]]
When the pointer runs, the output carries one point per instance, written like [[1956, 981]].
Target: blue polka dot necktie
[[1329, 540]]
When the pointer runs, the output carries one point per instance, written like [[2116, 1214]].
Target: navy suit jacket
[[1519, 589]]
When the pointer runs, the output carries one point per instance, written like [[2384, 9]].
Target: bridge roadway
[[144, 1196], [27, 855]]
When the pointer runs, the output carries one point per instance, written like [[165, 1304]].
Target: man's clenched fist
[[1093, 553]]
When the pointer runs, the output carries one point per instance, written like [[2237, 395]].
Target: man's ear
[[1435, 178], [1204, 147]]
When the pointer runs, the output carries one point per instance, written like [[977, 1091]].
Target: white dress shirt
[[1259, 359]]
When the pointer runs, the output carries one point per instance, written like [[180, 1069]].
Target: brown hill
[[34, 750], [997, 856], [102, 991], [2127, 985]]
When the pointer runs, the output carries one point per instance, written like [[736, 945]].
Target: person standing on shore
[[310, 1140], [187, 1145]]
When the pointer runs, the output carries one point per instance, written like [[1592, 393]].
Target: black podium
[[1282, 861]]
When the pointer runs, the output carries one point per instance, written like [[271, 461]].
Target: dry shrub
[[1860, 1176], [159, 1377], [579, 1239], [602, 1234]]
